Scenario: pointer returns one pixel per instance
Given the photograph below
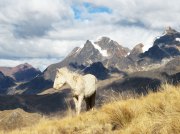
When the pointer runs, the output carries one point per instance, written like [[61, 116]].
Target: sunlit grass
[[157, 113]]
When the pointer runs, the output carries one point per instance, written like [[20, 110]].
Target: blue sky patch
[[90, 8], [77, 12], [96, 9]]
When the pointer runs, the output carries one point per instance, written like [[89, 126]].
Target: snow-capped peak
[[103, 52]]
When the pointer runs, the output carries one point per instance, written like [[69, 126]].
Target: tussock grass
[[17, 119], [156, 113]]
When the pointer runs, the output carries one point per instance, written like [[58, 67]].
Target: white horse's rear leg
[[92, 100], [87, 103]]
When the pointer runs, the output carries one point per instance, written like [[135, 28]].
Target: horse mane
[[75, 74]]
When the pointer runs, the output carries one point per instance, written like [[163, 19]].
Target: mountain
[[138, 72], [5, 82], [91, 58], [105, 50], [135, 52], [35, 86], [107, 55], [22, 72], [165, 46], [138, 82]]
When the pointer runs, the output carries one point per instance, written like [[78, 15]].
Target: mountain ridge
[[112, 58], [21, 72]]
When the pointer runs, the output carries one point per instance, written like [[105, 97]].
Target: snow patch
[[158, 37], [103, 52], [79, 49], [178, 39], [127, 54], [165, 33]]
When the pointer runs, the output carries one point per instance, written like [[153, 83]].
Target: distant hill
[[22, 72], [46, 103], [98, 70], [35, 85], [5, 83]]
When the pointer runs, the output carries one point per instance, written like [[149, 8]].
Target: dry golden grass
[[156, 113], [17, 119]]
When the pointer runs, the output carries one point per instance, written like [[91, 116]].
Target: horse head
[[59, 79]]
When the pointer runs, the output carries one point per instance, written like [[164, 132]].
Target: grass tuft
[[157, 113]]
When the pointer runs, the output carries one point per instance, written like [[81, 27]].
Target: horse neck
[[69, 80]]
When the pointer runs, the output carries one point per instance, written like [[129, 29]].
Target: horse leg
[[87, 103], [75, 98], [80, 99], [92, 100]]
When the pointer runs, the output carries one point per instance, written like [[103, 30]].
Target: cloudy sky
[[44, 31]]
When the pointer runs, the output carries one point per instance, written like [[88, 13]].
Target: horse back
[[90, 84], [89, 77]]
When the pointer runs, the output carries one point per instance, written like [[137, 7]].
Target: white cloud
[[48, 28], [40, 63]]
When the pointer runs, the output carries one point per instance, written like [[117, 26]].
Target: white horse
[[83, 87]]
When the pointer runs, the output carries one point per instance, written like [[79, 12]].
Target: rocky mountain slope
[[164, 46], [105, 50], [110, 57], [22, 72], [138, 82], [137, 72], [113, 55], [5, 82]]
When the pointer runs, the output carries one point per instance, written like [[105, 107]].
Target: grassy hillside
[[155, 113]]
